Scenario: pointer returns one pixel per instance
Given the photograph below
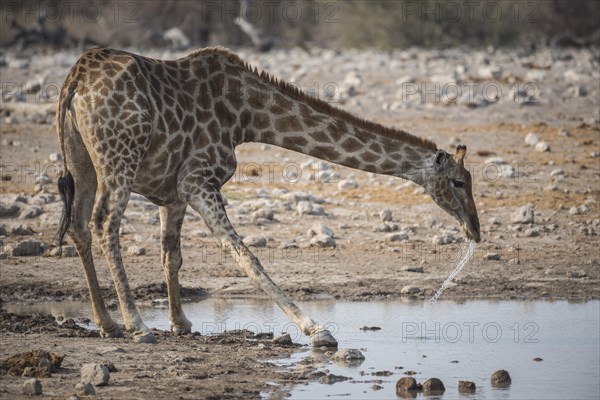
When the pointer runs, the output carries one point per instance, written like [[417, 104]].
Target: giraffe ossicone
[[168, 130]]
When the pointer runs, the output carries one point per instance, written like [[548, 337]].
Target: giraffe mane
[[316, 103]]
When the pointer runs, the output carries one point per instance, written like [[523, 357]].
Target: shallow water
[[483, 336]]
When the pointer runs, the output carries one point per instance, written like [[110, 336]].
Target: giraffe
[[168, 129]]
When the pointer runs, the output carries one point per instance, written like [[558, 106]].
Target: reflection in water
[[448, 340]]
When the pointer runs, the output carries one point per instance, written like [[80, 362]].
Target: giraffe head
[[449, 184]]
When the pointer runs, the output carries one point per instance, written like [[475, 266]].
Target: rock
[[21, 230], [418, 270], [443, 238], [96, 374], [135, 250], [304, 207], [54, 157], [532, 139], [542, 147], [466, 387], [410, 290], [3, 231], [557, 171], [255, 241], [328, 176], [85, 389], [433, 386], [8, 211], [500, 378], [284, 339], [488, 72], [348, 357], [346, 184], [538, 359], [331, 379], [262, 214], [29, 247], [386, 215], [386, 227], [532, 232], [30, 212], [523, 215], [406, 384], [563, 132], [396, 237], [322, 240], [492, 257], [319, 229], [3, 255], [32, 386], [574, 210], [577, 274]]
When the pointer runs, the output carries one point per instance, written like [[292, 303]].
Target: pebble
[[563, 132], [347, 354], [410, 290], [574, 210], [284, 339], [386, 227], [418, 270], [500, 378], [538, 359], [466, 386], [492, 257], [386, 215], [21, 230], [532, 139], [396, 237], [557, 171], [322, 240], [8, 211], [96, 374], [32, 386], [28, 247], [406, 384], [54, 157], [304, 207], [255, 241], [85, 389], [332, 378], [443, 238], [523, 215], [135, 250], [346, 184], [577, 274], [433, 386], [65, 251], [30, 212], [542, 147], [3, 255], [319, 229]]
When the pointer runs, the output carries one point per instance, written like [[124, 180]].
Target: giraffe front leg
[[171, 219], [209, 204]]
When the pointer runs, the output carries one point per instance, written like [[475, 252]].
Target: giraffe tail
[[66, 184]]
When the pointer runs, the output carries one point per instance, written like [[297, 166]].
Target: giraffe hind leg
[[171, 219], [85, 187]]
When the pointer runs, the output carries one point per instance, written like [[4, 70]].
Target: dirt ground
[[555, 257]]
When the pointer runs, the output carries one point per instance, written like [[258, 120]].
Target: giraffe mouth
[[471, 234]]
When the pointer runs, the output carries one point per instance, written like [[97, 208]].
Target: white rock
[[532, 139], [490, 72], [320, 229], [443, 238], [322, 240], [135, 250], [348, 354], [557, 171], [410, 290], [542, 147], [386, 215], [304, 207], [345, 184], [85, 389], [255, 241], [396, 237], [55, 157], [96, 374], [32, 386], [564, 133], [523, 215], [386, 227]]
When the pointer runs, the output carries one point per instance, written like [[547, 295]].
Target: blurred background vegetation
[[308, 23]]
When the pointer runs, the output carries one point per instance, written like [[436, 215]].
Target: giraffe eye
[[458, 184]]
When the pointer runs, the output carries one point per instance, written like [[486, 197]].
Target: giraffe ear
[[461, 150], [440, 160]]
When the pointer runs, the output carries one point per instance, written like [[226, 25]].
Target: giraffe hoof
[[323, 338], [148, 338]]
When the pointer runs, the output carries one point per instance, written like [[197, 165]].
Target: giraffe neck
[[330, 134]]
